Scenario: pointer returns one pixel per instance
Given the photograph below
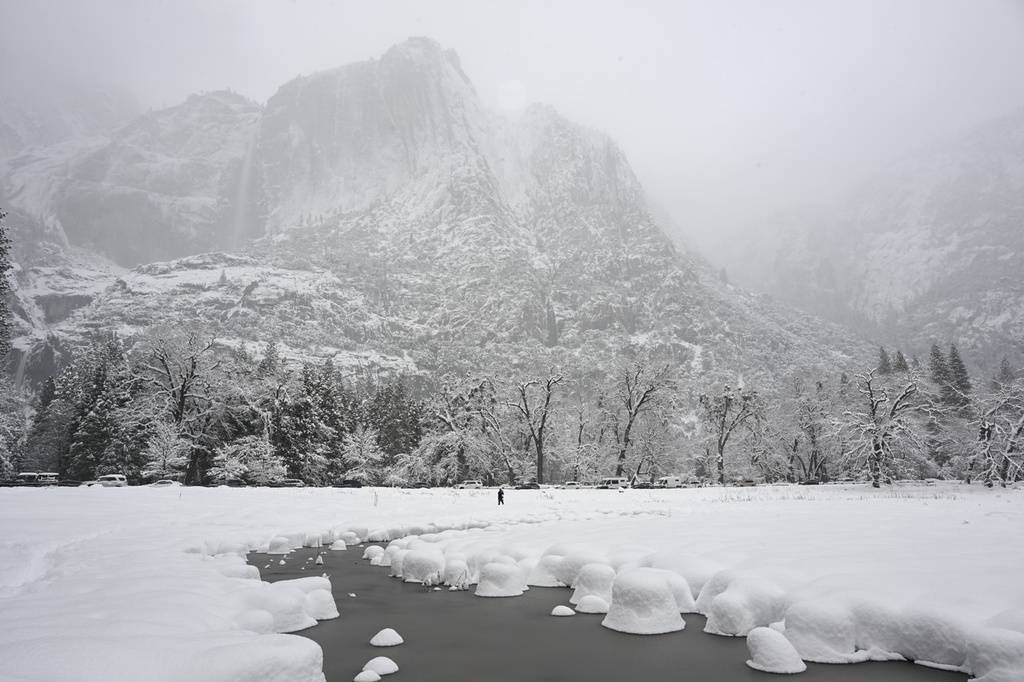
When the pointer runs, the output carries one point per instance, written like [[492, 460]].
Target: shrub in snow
[[320, 605], [382, 665], [366, 676], [372, 551], [696, 570], [280, 545], [339, 545], [313, 540], [680, 590], [456, 574], [387, 637], [822, 631], [592, 604], [594, 579], [379, 535], [423, 566], [643, 604], [562, 610], [543, 573], [771, 652], [500, 580]]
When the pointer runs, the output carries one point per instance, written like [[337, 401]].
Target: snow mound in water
[[771, 652], [382, 665], [320, 605], [423, 566], [500, 580], [569, 568], [387, 637], [593, 580], [562, 610], [398, 563], [543, 573], [643, 604], [339, 545], [372, 551], [592, 604], [280, 545], [680, 590], [366, 676]]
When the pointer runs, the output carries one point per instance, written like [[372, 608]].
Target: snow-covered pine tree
[[899, 363], [270, 364], [884, 363], [938, 368], [1004, 377], [959, 379], [251, 459]]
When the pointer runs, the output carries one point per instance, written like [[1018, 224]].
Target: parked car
[[529, 485], [613, 482], [472, 483], [570, 485], [112, 481], [164, 483], [349, 483], [36, 479], [669, 482], [642, 485], [291, 483]]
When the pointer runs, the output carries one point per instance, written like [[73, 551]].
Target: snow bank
[[771, 652]]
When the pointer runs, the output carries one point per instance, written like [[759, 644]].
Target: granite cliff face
[[381, 215]]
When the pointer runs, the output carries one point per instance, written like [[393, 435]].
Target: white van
[[669, 482], [112, 481], [470, 484], [613, 482]]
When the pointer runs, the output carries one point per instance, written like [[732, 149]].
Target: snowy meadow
[[144, 583]]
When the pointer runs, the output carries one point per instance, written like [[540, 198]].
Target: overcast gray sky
[[729, 110]]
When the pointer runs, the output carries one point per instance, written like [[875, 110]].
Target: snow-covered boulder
[[643, 604], [592, 604], [372, 551], [771, 652], [500, 580], [594, 579], [387, 637], [366, 676], [562, 610], [280, 545], [423, 566], [568, 569], [382, 665]]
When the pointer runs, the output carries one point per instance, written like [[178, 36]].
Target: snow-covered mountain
[[398, 225], [932, 249]]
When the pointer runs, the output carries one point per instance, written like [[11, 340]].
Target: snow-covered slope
[[402, 222], [931, 249]]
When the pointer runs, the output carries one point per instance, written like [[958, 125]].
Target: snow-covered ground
[[143, 583]]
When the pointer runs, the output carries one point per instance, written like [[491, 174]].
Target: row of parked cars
[[611, 482], [45, 479]]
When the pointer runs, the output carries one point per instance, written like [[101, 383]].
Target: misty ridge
[[382, 273]]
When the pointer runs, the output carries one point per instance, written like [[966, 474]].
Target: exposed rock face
[[401, 225]]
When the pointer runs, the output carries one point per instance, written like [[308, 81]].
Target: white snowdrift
[[106, 582], [771, 652]]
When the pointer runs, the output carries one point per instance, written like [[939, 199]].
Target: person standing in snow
[[501, 496]]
